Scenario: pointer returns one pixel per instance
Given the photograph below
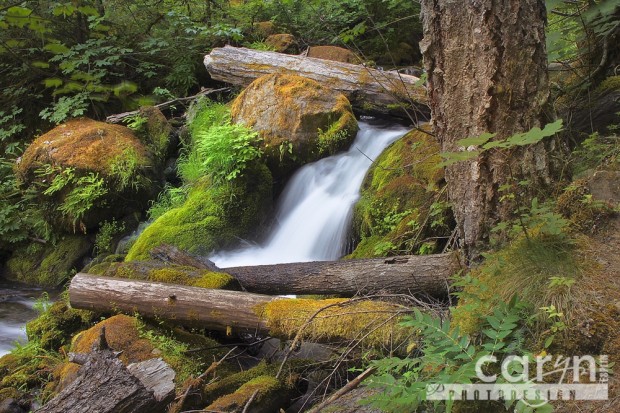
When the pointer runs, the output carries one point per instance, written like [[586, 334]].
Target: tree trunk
[[487, 72], [367, 89], [412, 274], [105, 385]]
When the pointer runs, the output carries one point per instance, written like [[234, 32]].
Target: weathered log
[[198, 307], [368, 89], [105, 385], [412, 274], [374, 322]]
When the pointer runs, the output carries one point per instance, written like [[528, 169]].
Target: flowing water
[[16, 309], [314, 212]]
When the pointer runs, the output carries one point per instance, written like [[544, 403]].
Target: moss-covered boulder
[[55, 326], [402, 208], [299, 120], [212, 217], [47, 264], [85, 172], [283, 43], [335, 53]]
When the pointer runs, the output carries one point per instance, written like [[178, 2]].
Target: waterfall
[[315, 208]]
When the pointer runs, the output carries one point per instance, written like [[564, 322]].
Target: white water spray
[[314, 212]]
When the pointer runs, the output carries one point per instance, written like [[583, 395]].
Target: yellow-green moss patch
[[375, 322]]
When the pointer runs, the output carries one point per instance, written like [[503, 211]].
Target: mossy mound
[[212, 217], [55, 326], [264, 29], [266, 391], [47, 265], [283, 43], [335, 53], [86, 171], [122, 334], [173, 274], [298, 119], [585, 212], [402, 208]]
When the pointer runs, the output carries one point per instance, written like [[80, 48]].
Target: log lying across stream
[[368, 89], [408, 274]]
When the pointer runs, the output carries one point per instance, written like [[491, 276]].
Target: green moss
[[155, 131], [402, 208], [54, 326], [211, 217], [611, 83], [230, 383], [341, 319], [47, 265], [263, 389], [584, 213]]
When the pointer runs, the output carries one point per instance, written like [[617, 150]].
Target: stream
[[312, 223], [17, 304]]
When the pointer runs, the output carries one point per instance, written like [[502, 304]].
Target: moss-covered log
[[368, 89], [240, 312]]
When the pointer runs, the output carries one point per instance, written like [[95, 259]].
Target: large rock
[[298, 119], [335, 53], [283, 43], [403, 208], [86, 172]]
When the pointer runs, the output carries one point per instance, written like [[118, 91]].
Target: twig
[[344, 390], [119, 117], [250, 400]]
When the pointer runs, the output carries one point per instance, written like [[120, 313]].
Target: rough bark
[[198, 307], [105, 385], [416, 274], [367, 89], [487, 72]]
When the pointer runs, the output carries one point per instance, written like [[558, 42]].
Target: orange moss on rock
[[283, 43], [298, 119], [122, 334], [335, 53], [83, 144]]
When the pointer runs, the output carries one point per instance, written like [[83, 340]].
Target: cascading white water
[[314, 212]]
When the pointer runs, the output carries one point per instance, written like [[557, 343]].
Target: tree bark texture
[[411, 274], [217, 310], [368, 89], [487, 72]]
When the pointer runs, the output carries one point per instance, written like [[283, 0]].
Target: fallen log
[[105, 385], [409, 274], [368, 89], [374, 322]]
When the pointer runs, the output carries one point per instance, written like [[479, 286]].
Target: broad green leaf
[[56, 48], [476, 140], [52, 82], [454, 157], [40, 64]]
